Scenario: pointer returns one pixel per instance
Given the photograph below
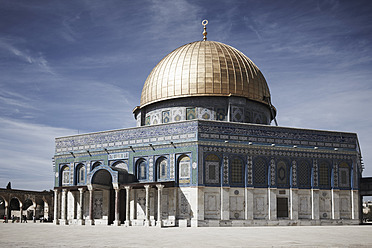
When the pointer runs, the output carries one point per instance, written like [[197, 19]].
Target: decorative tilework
[[166, 116], [237, 114], [171, 167], [155, 119], [315, 174], [294, 173], [147, 122], [272, 171], [177, 114], [225, 170], [335, 175], [151, 169], [220, 114], [190, 113], [249, 170], [205, 114]]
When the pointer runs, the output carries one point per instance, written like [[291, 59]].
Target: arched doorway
[[28, 209], [15, 209], [103, 197]]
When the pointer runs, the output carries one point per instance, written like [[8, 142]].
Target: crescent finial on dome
[[204, 23]]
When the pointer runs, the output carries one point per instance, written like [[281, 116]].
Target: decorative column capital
[[81, 190], [159, 186], [64, 191], [56, 190], [127, 188], [147, 187]]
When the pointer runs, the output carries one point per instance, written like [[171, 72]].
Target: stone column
[[158, 221], [249, 203], [315, 204], [147, 220], [35, 206], [225, 203], [127, 206], [64, 207], [81, 207], [6, 212], [117, 214], [91, 218], [21, 210], [56, 209]]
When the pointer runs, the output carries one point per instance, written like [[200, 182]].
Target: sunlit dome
[[205, 68]]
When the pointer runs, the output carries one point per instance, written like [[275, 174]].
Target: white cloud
[[26, 152]]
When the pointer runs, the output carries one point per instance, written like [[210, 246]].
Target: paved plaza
[[49, 235]]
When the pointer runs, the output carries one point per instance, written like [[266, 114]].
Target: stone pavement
[[49, 235]]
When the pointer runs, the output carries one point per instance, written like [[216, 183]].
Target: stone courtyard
[[49, 235]]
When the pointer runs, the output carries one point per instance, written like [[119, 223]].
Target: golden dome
[[205, 68]]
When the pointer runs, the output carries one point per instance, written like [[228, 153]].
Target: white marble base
[[63, 222], [117, 222], [158, 223], [89, 222]]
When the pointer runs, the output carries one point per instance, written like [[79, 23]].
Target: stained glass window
[[184, 167], [260, 172], [81, 174], [65, 175], [141, 167], [163, 168], [212, 172], [344, 175], [237, 171], [304, 174], [324, 175]]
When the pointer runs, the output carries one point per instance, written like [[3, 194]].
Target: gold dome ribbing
[[205, 68]]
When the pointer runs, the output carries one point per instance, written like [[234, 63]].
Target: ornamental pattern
[[249, 170], [225, 170], [272, 172], [171, 166], [277, 133], [335, 175], [315, 169], [294, 173]]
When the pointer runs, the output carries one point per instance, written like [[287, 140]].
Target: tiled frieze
[[276, 135], [184, 131]]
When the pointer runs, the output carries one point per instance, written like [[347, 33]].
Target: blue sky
[[69, 67]]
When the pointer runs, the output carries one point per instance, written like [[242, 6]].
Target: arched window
[[282, 174], [236, 171], [303, 174], [141, 170], [162, 168], [184, 167], [65, 175], [344, 175], [260, 172], [80, 173], [212, 169], [324, 175]]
